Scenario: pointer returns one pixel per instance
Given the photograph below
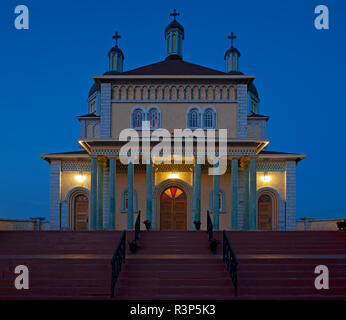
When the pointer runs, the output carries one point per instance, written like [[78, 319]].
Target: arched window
[[125, 201], [222, 204], [209, 118], [194, 118], [137, 118], [154, 117]]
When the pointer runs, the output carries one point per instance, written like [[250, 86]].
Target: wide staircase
[[281, 265], [172, 265], [62, 265]]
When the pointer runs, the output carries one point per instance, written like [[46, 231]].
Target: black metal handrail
[[117, 260], [209, 226], [138, 225], [230, 258]]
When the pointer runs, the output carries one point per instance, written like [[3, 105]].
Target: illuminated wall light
[[80, 177], [266, 177], [173, 176]]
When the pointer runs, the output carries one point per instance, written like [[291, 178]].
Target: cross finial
[[174, 14], [116, 37], [232, 37]]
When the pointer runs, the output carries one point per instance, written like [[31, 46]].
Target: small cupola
[[116, 57], [174, 36], [232, 56]]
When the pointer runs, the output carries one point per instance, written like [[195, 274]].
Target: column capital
[[244, 161], [102, 160]]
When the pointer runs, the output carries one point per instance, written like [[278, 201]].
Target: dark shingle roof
[[274, 152], [253, 90], [175, 24], [92, 90], [173, 67], [89, 115], [255, 115], [70, 152]]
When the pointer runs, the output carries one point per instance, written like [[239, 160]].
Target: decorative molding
[[68, 166], [192, 92], [270, 166]]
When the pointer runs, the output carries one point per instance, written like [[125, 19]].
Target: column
[[54, 194], [234, 194], [290, 195], [197, 191], [112, 190], [130, 175], [99, 198], [246, 220], [253, 195], [93, 193], [216, 201], [149, 190]]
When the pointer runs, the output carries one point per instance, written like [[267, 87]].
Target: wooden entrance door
[[265, 208], [173, 209], [81, 212]]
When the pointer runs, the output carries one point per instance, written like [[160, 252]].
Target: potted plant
[[147, 224], [133, 246], [197, 224], [213, 245], [341, 225]]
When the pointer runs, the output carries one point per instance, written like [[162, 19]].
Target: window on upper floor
[[137, 118], [194, 118], [209, 118], [154, 117]]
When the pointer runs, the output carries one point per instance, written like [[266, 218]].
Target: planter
[[147, 224], [197, 224], [133, 246], [213, 245]]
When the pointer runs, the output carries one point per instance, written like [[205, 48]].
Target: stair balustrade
[[117, 260], [230, 258], [209, 226]]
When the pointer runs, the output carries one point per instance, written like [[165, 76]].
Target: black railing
[[117, 260], [209, 226], [231, 261], [138, 225]]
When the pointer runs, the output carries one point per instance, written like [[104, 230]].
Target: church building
[[91, 189]]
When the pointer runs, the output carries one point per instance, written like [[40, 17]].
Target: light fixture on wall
[[266, 177], [173, 175], [80, 177]]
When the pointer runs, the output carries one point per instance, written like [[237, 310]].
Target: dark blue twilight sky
[[46, 73]]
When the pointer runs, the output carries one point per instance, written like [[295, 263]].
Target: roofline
[[222, 76], [58, 156], [296, 156], [85, 143], [258, 118]]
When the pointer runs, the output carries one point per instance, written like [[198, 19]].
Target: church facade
[[92, 189]]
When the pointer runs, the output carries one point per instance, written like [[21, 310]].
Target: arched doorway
[[265, 212], [81, 212], [173, 209]]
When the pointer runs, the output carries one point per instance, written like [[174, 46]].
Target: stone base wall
[[24, 225]]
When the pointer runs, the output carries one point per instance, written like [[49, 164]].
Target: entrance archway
[[267, 209], [81, 212], [173, 205], [79, 209]]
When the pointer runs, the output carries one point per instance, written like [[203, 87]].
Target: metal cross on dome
[[232, 37], [116, 37], [174, 14]]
